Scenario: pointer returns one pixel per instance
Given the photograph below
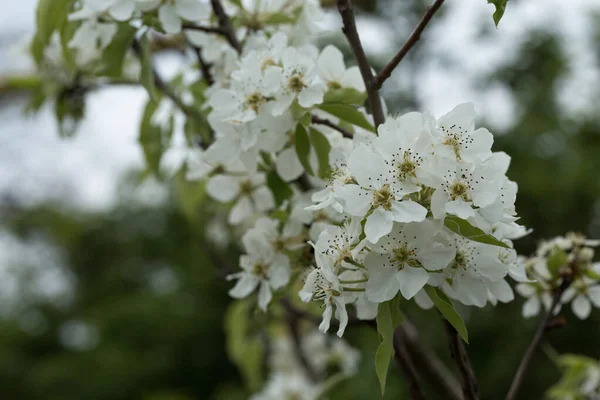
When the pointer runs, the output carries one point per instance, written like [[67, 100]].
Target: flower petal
[[411, 281]]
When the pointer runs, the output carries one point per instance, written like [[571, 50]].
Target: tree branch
[[460, 356], [346, 10], [208, 29], [293, 318], [407, 367], [326, 122], [410, 42], [204, 66], [546, 323], [225, 25], [428, 364], [161, 85]]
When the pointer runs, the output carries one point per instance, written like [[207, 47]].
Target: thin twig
[[546, 323], [429, 366], [407, 367], [225, 25], [293, 320], [326, 122], [460, 356], [208, 29], [410, 42], [204, 66], [161, 85], [346, 10]]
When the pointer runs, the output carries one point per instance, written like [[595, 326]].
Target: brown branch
[[204, 66], [225, 25], [346, 10], [208, 29], [410, 42], [460, 356], [546, 323], [162, 86], [407, 367], [326, 122], [430, 367], [293, 319]]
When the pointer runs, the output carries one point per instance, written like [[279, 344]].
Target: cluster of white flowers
[[327, 358], [562, 258], [580, 380]]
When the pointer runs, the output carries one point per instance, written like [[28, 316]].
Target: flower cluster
[[563, 263], [580, 380], [327, 359]]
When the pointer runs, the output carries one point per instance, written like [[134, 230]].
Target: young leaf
[[243, 348], [150, 138], [388, 318], [322, 148], [147, 71], [349, 114], [280, 189], [114, 54], [445, 307], [302, 144], [557, 259], [500, 8], [345, 96], [468, 231], [50, 16]]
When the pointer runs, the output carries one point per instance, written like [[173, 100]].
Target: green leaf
[[345, 96], [466, 230], [348, 113], [279, 18], [500, 8], [67, 31], [302, 145], [50, 15], [147, 71], [280, 189], [445, 307], [69, 109], [151, 138], [322, 148], [557, 259], [114, 54], [244, 348], [388, 318]]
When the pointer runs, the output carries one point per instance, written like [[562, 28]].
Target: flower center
[[383, 198], [255, 100], [403, 256], [267, 63], [296, 83], [459, 190], [260, 270], [460, 261], [453, 141], [406, 167], [246, 188], [334, 85]]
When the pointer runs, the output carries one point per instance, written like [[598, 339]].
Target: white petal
[[192, 10], [378, 225], [306, 293], [411, 281], [331, 64], [264, 296], [244, 286], [437, 256], [354, 199], [423, 300], [342, 316], [223, 188], [223, 99], [263, 199], [311, 95], [581, 307], [169, 19], [501, 290], [242, 210], [353, 79], [279, 275], [288, 165], [438, 203], [408, 211], [594, 295], [531, 307], [460, 208], [122, 10], [366, 166], [382, 284], [324, 326]]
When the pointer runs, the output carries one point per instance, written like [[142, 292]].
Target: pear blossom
[[333, 70], [262, 268], [90, 38], [402, 259], [249, 192], [172, 12], [582, 294], [376, 191]]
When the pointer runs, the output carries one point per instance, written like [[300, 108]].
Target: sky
[[83, 172]]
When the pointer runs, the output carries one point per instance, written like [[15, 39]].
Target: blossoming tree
[[344, 210]]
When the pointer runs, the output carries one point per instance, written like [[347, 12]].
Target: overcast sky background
[[83, 172]]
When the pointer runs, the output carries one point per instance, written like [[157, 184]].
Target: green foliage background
[[171, 346]]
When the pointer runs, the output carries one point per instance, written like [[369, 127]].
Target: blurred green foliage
[[157, 343]]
